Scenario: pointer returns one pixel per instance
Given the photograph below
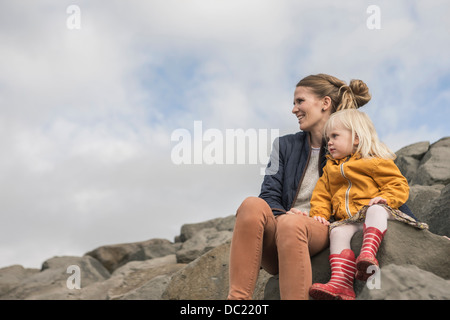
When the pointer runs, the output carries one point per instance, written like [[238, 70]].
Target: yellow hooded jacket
[[348, 184]]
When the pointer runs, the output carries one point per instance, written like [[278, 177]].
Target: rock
[[52, 281], [114, 256], [416, 150], [129, 278], [407, 282], [219, 224], [420, 196], [408, 166], [204, 278], [133, 280], [200, 243], [427, 168], [207, 278], [10, 277], [404, 244], [150, 290], [434, 167], [136, 274], [408, 158], [435, 212]]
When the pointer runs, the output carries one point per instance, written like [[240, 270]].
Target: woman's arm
[[272, 186]]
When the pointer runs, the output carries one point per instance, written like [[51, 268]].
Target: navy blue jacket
[[286, 168]]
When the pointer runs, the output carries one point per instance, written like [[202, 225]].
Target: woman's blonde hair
[[342, 96], [360, 125]]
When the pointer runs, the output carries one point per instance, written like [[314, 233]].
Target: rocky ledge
[[414, 263]]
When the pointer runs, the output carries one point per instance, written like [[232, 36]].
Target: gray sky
[[88, 115]]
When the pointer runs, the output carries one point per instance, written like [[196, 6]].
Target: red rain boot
[[371, 242], [340, 286]]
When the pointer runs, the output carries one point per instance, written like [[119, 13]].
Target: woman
[[274, 230]]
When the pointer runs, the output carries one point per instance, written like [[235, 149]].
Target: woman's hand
[[296, 211], [322, 220], [377, 200]]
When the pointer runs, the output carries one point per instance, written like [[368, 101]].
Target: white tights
[[340, 237]]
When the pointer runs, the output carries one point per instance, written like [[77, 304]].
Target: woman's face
[[308, 109]]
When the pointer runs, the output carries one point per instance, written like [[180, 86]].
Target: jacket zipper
[[347, 193]]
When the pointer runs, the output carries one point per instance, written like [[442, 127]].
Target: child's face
[[340, 141]]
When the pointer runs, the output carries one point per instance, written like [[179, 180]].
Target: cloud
[[87, 115]]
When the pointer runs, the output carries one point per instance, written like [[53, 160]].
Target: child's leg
[[343, 266], [341, 236], [377, 216], [375, 227]]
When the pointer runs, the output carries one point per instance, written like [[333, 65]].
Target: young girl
[[362, 188]]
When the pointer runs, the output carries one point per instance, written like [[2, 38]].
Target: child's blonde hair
[[360, 125]]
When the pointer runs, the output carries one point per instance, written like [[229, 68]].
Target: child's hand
[[296, 211], [377, 200], [322, 220]]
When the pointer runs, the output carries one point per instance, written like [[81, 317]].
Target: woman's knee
[[292, 225], [250, 202], [302, 232], [253, 208]]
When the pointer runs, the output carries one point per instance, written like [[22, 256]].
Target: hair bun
[[360, 91]]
